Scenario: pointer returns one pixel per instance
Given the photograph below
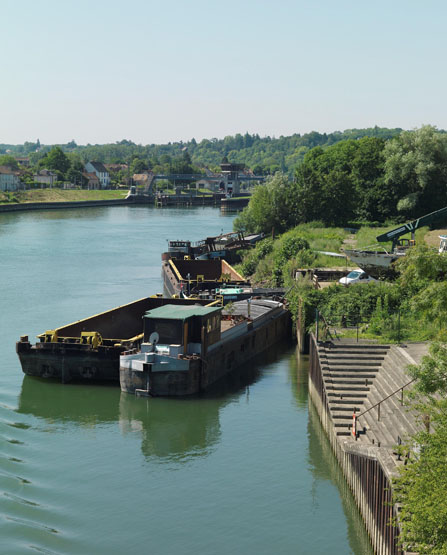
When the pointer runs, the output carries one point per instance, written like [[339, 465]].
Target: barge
[[186, 349], [90, 348], [194, 277], [225, 246]]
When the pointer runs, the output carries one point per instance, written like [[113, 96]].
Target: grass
[[366, 236], [60, 195]]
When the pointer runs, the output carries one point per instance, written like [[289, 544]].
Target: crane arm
[[410, 227]]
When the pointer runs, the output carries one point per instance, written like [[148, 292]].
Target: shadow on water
[[175, 429], [324, 466], [298, 375]]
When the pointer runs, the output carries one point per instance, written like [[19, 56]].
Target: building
[[101, 172], [23, 161], [91, 180], [9, 179], [46, 177], [143, 179], [230, 173]]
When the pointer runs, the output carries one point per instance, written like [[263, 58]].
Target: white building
[[101, 172]]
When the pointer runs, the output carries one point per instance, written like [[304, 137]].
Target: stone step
[[377, 351], [377, 355], [391, 381], [342, 416], [353, 369], [336, 395], [392, 424], [350, 375], [348, 408], [382, 433], [341, 403], [391, 408], [347, 425], [351, 362], [346, 389], [348, 381], [356, 347]]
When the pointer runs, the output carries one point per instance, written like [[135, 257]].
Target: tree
[[271, 206], [325, 187], [421, 487], [10, 161], [56, 160], [416, 165]]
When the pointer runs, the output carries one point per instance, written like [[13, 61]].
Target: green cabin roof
[[180, 312]]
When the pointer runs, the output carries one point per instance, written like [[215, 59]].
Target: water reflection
[[298, 373], [324, 466], [174, 429], [81, 404]]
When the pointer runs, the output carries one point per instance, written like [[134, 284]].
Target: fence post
[[398, 326], [317, 317]]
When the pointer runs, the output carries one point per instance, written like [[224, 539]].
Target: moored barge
[[90, 348], [186, 349], [191, 277]]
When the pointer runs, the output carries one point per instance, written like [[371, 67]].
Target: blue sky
[[150, 71]]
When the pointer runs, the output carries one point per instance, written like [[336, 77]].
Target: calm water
[[90, 470]]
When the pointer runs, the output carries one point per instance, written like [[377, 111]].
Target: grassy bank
[[59, 195]]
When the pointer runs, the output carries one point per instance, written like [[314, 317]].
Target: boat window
[[170, 331]]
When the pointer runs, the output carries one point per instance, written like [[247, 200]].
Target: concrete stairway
[[393, 422], [358, 376], [349, 371]]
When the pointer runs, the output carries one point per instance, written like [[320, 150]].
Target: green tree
[[9, 161], [56, 160], [421, 488], [272, 206], [416, 165], [325, 187]]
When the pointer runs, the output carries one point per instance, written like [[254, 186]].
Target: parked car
[[356, 276]]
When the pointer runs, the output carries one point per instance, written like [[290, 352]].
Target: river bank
[[263, 486], [366, 380]]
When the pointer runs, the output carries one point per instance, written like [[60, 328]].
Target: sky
[[99, 71]]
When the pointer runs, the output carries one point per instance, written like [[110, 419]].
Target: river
[[91, 470]]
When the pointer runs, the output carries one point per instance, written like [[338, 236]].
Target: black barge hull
[[89, 349]]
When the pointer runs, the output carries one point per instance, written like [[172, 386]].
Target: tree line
[[370, 179], [264, 155]]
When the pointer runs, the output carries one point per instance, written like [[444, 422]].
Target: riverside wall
[[368, 469], [19, 207]]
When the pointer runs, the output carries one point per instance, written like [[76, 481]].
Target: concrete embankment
[[61, 205], [367, 380]]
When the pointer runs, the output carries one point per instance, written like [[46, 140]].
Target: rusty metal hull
[[224, 358]]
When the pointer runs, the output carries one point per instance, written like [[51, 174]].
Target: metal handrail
[[385, 398], [355, 416]]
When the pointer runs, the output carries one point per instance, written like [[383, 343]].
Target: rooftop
[[179, 312]]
